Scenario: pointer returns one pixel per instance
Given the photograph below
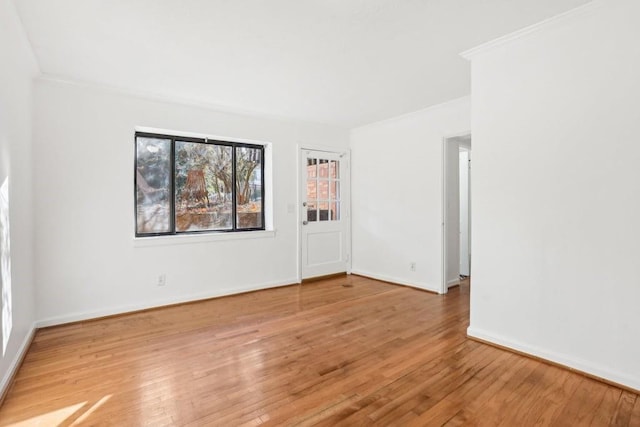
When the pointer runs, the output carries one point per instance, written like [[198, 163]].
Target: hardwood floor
[[342, 351]]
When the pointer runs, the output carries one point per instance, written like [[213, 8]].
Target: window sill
[[182, 239]]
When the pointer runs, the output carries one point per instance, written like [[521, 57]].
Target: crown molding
[[531, 29], [157, 96], [466, 99]]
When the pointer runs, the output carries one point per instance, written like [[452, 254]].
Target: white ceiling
[[341, 62]]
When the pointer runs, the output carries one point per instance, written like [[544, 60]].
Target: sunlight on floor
[[72, 415], [85, 417], [53, 418]]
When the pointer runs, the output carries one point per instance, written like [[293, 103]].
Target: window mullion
[[172, 209], [234, 213], [262, 185]]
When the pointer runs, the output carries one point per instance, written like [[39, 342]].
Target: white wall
[[88, 262], [556, 192], [397, 194], [17, 70]]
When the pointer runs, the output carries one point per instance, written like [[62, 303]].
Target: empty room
[[356, 212]]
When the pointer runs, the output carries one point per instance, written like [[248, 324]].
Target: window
[[190, 185]]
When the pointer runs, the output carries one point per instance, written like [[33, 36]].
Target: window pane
[[334, 169], [203, 187], [312, 190], [153, 185], [334, 213], [335, 190], [323, 168], [323, 211], [312, 168], [249, 187], [323, 190], [312, 213]]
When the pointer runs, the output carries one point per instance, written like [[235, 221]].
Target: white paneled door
[[325, 215]]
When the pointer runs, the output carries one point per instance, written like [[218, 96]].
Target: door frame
[[444, 285], [345, 202], [468, 166]]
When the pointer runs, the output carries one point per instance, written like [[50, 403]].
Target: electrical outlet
[[162, 279], [412, 266]]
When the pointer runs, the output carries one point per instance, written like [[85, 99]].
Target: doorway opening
[[456, 241]]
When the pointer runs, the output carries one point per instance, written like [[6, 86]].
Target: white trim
[[562, 359], [349, 206], [88, 315], [13, 367], [470, 54], [182, 239], [297, 212], [323, 148], [395, 280], [451, 102], [453, 282], [178, 133]]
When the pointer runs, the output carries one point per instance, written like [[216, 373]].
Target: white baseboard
[[15, 363], [453, 282], [583, 366], [395, 280], [87, 315]]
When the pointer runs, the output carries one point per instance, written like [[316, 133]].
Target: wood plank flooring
[[341, 351]]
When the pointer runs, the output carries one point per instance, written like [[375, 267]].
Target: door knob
[[304, 204], [305, 222]]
